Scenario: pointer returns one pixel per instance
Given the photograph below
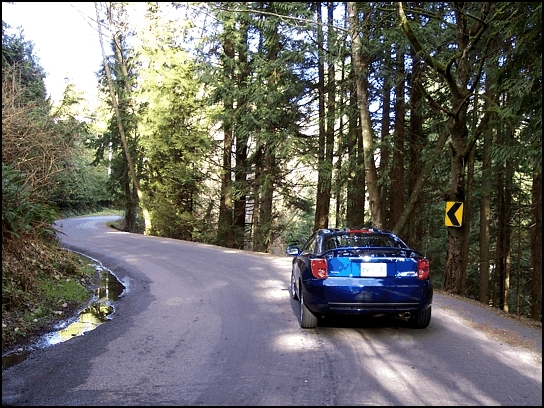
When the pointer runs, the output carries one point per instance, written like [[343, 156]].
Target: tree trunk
[[263, 232], [455, 257], [504, 248], [331, 102], [385, 171], [225, 223], [120, 61], [460, 284], [242, 136], [341, 207], [460, 82], [397, 176], [355, 194], [340, 177], [265, 183], [485, 201], [324, 157], [255, 223], [417, 141], [536, 246], [131, 202], [360, 64]]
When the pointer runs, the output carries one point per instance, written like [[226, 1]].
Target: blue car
[[360, 272]]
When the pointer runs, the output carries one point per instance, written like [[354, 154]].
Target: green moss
[[60, 291]]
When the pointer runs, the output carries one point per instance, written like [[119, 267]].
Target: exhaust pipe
[[407, 314]]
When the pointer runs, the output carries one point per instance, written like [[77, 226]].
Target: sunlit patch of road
[[297, 342]]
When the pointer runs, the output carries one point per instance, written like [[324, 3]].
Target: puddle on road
[[98, 312]]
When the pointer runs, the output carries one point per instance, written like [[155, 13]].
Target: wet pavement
[[100, 310]]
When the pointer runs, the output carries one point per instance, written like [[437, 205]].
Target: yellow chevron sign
[[454, 214]]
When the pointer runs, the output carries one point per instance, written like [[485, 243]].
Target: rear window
[[366, 240]]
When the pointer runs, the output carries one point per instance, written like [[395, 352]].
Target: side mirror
[[292, 250]]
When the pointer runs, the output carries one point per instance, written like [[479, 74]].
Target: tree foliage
[[247, 120], [45, 173], [39, 144], [174, 129]]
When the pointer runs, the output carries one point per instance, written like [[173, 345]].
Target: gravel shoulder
[[510, 329]]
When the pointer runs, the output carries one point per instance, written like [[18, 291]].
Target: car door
[[301, 263]]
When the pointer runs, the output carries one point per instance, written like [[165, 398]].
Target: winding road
[[206, 325]]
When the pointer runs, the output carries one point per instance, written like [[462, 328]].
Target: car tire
[[293, 287], [307, 319], [421, 320]]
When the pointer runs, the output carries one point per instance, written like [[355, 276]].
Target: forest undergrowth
[[42, 284]]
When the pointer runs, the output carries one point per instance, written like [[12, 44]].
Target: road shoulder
[[514, 330]]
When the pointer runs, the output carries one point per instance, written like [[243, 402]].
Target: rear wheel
[[307, 319], [421, 320], [293, 287]]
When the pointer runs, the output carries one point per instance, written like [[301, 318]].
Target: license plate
[[373, 270]]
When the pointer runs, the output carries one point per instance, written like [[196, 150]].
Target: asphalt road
[[205, 325]]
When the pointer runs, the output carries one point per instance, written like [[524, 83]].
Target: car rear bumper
[[368, 296]]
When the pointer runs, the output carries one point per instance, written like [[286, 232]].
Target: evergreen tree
[[174, 130]]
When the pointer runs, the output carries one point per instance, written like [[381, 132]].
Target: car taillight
[[423, 269], [319, 268]]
